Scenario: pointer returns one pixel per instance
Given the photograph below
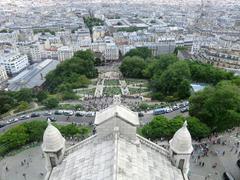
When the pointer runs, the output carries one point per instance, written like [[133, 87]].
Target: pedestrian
[[223, 153], [203, 164], [6, 168]]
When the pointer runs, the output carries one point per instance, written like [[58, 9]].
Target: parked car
[[2, 125], [22, 117], [181, 105], [140, 114], [168, 109], [175, 107], [159, 111], [51, 118], [48, 113], [80, 113], [238, 163], [183, 110], [58, 112], [90, 114], [228, 176], [68, 112], [10, 121], [35, 115], [15, 120]]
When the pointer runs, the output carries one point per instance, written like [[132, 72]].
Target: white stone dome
[[181, 143], [52, 139]]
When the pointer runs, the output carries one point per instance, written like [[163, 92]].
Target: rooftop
[[115, 156], [32, 76]]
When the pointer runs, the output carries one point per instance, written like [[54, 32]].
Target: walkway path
[[32, 167], [99, 88], [124, 87]]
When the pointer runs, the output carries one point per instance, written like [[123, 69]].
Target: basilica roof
[[119, 111], [181, 142], [52, 139], [114, 157]]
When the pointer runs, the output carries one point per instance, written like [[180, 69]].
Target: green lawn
[[110, 91], [137, 90], [86, 91], [137, 81], [111, 82]]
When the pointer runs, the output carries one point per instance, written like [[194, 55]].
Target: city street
[[62, 119]]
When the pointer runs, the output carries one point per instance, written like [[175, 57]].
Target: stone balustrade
[[153, 145]]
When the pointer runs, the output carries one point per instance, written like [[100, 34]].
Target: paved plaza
[[31, 163], [26, 165], [221, 157]]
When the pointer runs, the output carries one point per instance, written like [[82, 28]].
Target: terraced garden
[[111, 82], [86, 91], [138, 90], [110, 91]]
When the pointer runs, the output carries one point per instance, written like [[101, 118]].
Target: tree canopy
[[19, 100], [161, 127], [29, 132], [169, 77], [72, 73], [142, 52], [51, 102], [133, 67], [219, 106], [92, 21], [173, 81]]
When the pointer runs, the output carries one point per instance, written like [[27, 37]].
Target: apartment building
[[14, 62]]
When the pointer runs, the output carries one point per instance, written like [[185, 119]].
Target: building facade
[[64, 53], [3, 74], [111, 52], [14, 62]]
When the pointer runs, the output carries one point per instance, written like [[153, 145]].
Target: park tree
[[69, 95], [207, 73], [132, 67], [161, 127], [98, 62], [72, 73], [92, 21], [35, 130], [69, 130], [184, 89], [159, 64], [42, 95], [7, 102], [24, 95], [142, 52], [23, 105], [172, 80], [87, 55], [51, 102], [218, 107], [13, 138]]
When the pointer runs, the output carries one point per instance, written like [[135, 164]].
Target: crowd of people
[[215, 146]]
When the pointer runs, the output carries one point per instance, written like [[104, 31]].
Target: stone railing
[[78, 145], [153, 145]]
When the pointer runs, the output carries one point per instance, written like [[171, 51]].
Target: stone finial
[[117, 99], [185, 124], [49, 121]]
